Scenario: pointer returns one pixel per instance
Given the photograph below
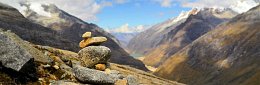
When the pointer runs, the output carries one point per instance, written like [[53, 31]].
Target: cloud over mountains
[[128, 29]]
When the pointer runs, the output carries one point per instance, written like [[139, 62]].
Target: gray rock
[[131, 80], [62, 82], [116, 75], [91, 76], [13, 52], [18, 57], [93, 55]]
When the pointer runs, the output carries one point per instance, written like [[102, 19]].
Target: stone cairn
[[93, 55], [94, 63]]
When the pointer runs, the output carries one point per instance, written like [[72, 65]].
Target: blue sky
[[137, 12]]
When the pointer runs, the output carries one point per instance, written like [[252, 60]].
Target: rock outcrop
[[228, 55], [13, 54], [17, 57]]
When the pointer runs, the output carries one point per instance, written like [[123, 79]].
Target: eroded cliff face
[[183, 32], [61, 31], [228, 54]]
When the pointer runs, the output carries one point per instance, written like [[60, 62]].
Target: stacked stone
[[92, 55]]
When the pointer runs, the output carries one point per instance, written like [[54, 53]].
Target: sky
[[137, 13], [132, 15]]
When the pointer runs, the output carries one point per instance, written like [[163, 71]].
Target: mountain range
[[203, 46], [124, 38], [227, 55], [162, 40]]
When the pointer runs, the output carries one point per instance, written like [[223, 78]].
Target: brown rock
[[92, 41], [86, 35], [100, 67], [107, 71], [121, 82], [56, 67], [52, 77], [56, 59]]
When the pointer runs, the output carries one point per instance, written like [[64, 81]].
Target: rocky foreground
[[25, 63]]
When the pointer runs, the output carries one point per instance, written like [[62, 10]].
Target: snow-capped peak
[[184, 15]]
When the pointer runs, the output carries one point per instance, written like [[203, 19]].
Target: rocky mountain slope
[[63, 32], [171, 36], [155, 32], [11, 19], [227, 55]]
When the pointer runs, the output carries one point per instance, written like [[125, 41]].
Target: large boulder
[[15, 52], [91, 76], [93, 55], [18, 56]]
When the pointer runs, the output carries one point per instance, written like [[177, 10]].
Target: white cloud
[[120, 1], [84, 9], [125, 28], [208, 3], [243, 6], [165, 3], [237, 5]]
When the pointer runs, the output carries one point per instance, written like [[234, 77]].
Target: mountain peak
[[47, 14], [185, 14]]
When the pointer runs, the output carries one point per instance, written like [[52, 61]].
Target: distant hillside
[[228, 55], [165, 39], [124, 38]]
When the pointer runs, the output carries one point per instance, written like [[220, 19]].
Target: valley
[[44, 44]]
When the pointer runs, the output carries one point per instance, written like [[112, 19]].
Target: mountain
[[11, 19], [153, 35], [124, 38], [227, 55], [165, 39], [60, 30]]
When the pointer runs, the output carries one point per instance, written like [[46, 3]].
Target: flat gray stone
[[131, 80], [91, 76]]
